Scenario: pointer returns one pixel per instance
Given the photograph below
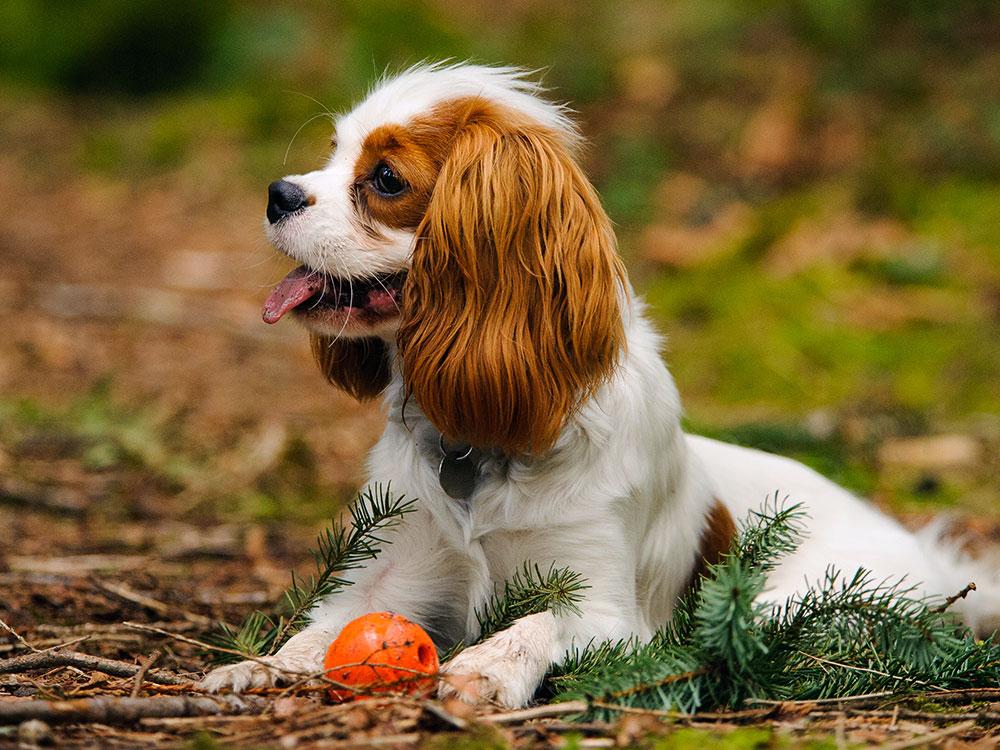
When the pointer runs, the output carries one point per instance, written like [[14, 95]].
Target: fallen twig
[[537, 712], [191, 641], [141, 674], [930, 717], [104, 630], [125, 710], [818, 701], [926, 739], [753, 713], [75, 566], [963, 694], [17, 636], [955, 597], [154, 605], [50, 659]]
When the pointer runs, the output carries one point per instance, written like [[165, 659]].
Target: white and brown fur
[[519, 333]]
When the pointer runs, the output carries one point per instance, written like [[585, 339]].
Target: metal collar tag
[[458, 470]]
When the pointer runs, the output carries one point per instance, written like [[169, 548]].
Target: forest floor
[[166, 460]]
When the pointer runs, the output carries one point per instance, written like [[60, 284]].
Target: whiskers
[[387, 291], [298, 130], [350, 287]]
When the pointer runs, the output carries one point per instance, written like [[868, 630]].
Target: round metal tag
[[458, 475]]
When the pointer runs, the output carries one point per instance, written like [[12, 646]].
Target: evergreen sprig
[[529, 592], [842, 636], [771, 533], [339, 549]]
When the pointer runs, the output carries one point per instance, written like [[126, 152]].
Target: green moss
[[750, 738], [479, 738], [203, 741]]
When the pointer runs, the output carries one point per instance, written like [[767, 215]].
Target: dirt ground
[[126, 504]]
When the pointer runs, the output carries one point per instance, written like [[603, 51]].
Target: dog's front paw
[[241, 676], [300, 657], [506, 668]]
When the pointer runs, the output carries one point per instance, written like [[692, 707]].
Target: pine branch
[[771, 533], [339, 549], [528, 592], [842, 636]]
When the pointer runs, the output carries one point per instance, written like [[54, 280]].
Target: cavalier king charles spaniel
[[456, 263]]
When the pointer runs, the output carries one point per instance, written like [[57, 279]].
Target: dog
[[457, 263]]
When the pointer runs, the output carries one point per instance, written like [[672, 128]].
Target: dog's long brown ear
[[358, 366], [511, 311]]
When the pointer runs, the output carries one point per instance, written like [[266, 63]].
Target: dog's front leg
[[415, 576], [508, 667]]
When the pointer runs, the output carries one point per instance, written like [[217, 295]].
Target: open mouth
[[314, 293]]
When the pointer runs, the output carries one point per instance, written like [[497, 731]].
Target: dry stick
[[141, 674], [17, 636], [926, 739], [125, 710], [129, 595], [955, 597], [200, 644], [932, 717], [817, 701], [50, 659], [753, 713], [100, 631], [440, 712], [24, 495], [231, 651], [63, 645], [959, 694], [538, 712]]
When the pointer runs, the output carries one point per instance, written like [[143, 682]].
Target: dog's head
[[453, 219]]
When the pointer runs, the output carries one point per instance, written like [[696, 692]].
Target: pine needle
[[529, 592]]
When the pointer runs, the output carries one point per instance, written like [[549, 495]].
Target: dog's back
[[845, 533]]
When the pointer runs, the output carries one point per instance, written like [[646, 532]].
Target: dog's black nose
[[284, 198]]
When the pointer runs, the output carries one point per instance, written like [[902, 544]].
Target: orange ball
[[381, 652]]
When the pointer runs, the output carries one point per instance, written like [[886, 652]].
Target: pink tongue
[[292, 291]]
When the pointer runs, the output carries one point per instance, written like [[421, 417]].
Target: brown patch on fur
[[415, 152], [359, 366], [716, 540], [510, 313]]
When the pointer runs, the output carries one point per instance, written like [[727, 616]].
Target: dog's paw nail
[[467, 688]]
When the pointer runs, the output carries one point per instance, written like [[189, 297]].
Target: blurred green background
[[807, 192]]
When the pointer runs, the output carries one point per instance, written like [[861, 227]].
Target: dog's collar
[[460, 467]]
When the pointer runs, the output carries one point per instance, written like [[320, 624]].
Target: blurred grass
[[808, 191], [142, 462]]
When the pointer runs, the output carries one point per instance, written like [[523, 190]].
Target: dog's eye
[[386, 182]]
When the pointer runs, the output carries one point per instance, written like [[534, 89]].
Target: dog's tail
[[979, 608]]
